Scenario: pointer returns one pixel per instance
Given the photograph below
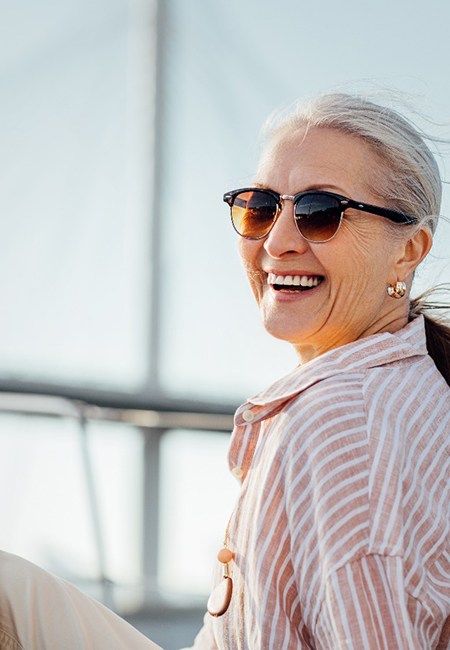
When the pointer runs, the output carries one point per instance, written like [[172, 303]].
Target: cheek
[[367, 254], [249, 251]]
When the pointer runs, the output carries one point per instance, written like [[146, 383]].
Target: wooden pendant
[[225, 555], [220, 598]]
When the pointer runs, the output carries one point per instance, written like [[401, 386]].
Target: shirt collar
[[376, 350]]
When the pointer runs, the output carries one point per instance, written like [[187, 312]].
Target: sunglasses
[[317, 214]]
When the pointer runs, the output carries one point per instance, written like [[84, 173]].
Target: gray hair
[[410, 179]]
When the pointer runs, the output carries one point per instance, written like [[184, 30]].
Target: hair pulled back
[[408, 178]]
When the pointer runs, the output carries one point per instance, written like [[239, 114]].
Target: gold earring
[[397, 290]]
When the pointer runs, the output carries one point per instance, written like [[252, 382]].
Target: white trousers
[[39, 611]]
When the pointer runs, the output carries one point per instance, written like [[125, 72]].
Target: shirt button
[[237, 472], [248, 415]]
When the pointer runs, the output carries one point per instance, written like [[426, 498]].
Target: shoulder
[[396, 417], [381, 434], [407, 394], [330, 403]]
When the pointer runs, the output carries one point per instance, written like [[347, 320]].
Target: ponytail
[[437, 329]]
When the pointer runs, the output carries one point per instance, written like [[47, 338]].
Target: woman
[[339, 538], [340, 535]]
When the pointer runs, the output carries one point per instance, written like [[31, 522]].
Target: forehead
[[317, 157]]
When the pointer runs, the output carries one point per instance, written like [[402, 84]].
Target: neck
[[307, 350]]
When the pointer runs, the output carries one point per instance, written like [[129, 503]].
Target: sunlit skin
[[357, 265]]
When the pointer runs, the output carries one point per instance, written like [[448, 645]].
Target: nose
[[284, 238]]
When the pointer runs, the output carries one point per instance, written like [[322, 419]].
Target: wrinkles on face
[[355, 266], [352, 294], [256, 278]]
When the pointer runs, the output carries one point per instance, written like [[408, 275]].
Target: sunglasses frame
[[392, 215]]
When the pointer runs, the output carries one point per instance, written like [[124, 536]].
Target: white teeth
[[294, 280]]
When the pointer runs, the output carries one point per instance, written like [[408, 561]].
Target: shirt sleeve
[[366, 608]]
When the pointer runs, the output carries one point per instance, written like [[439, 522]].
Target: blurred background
[[127, 331]]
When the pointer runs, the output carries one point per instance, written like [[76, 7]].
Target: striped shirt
[[341, 530]]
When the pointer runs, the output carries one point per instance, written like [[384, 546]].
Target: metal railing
[[153, 422]]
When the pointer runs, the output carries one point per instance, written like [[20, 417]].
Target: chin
[[283, 332]]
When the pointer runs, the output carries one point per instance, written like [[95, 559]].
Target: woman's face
[[349, 274]]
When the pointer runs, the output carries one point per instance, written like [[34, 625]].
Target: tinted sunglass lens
[[253, 213], [318, 217]]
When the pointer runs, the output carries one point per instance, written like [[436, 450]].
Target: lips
[[293, 282]]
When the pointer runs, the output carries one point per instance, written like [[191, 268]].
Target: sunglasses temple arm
[[393, 215]]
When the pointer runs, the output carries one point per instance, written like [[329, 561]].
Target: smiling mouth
[[294, 283]]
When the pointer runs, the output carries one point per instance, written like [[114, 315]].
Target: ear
[[412, 252]]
